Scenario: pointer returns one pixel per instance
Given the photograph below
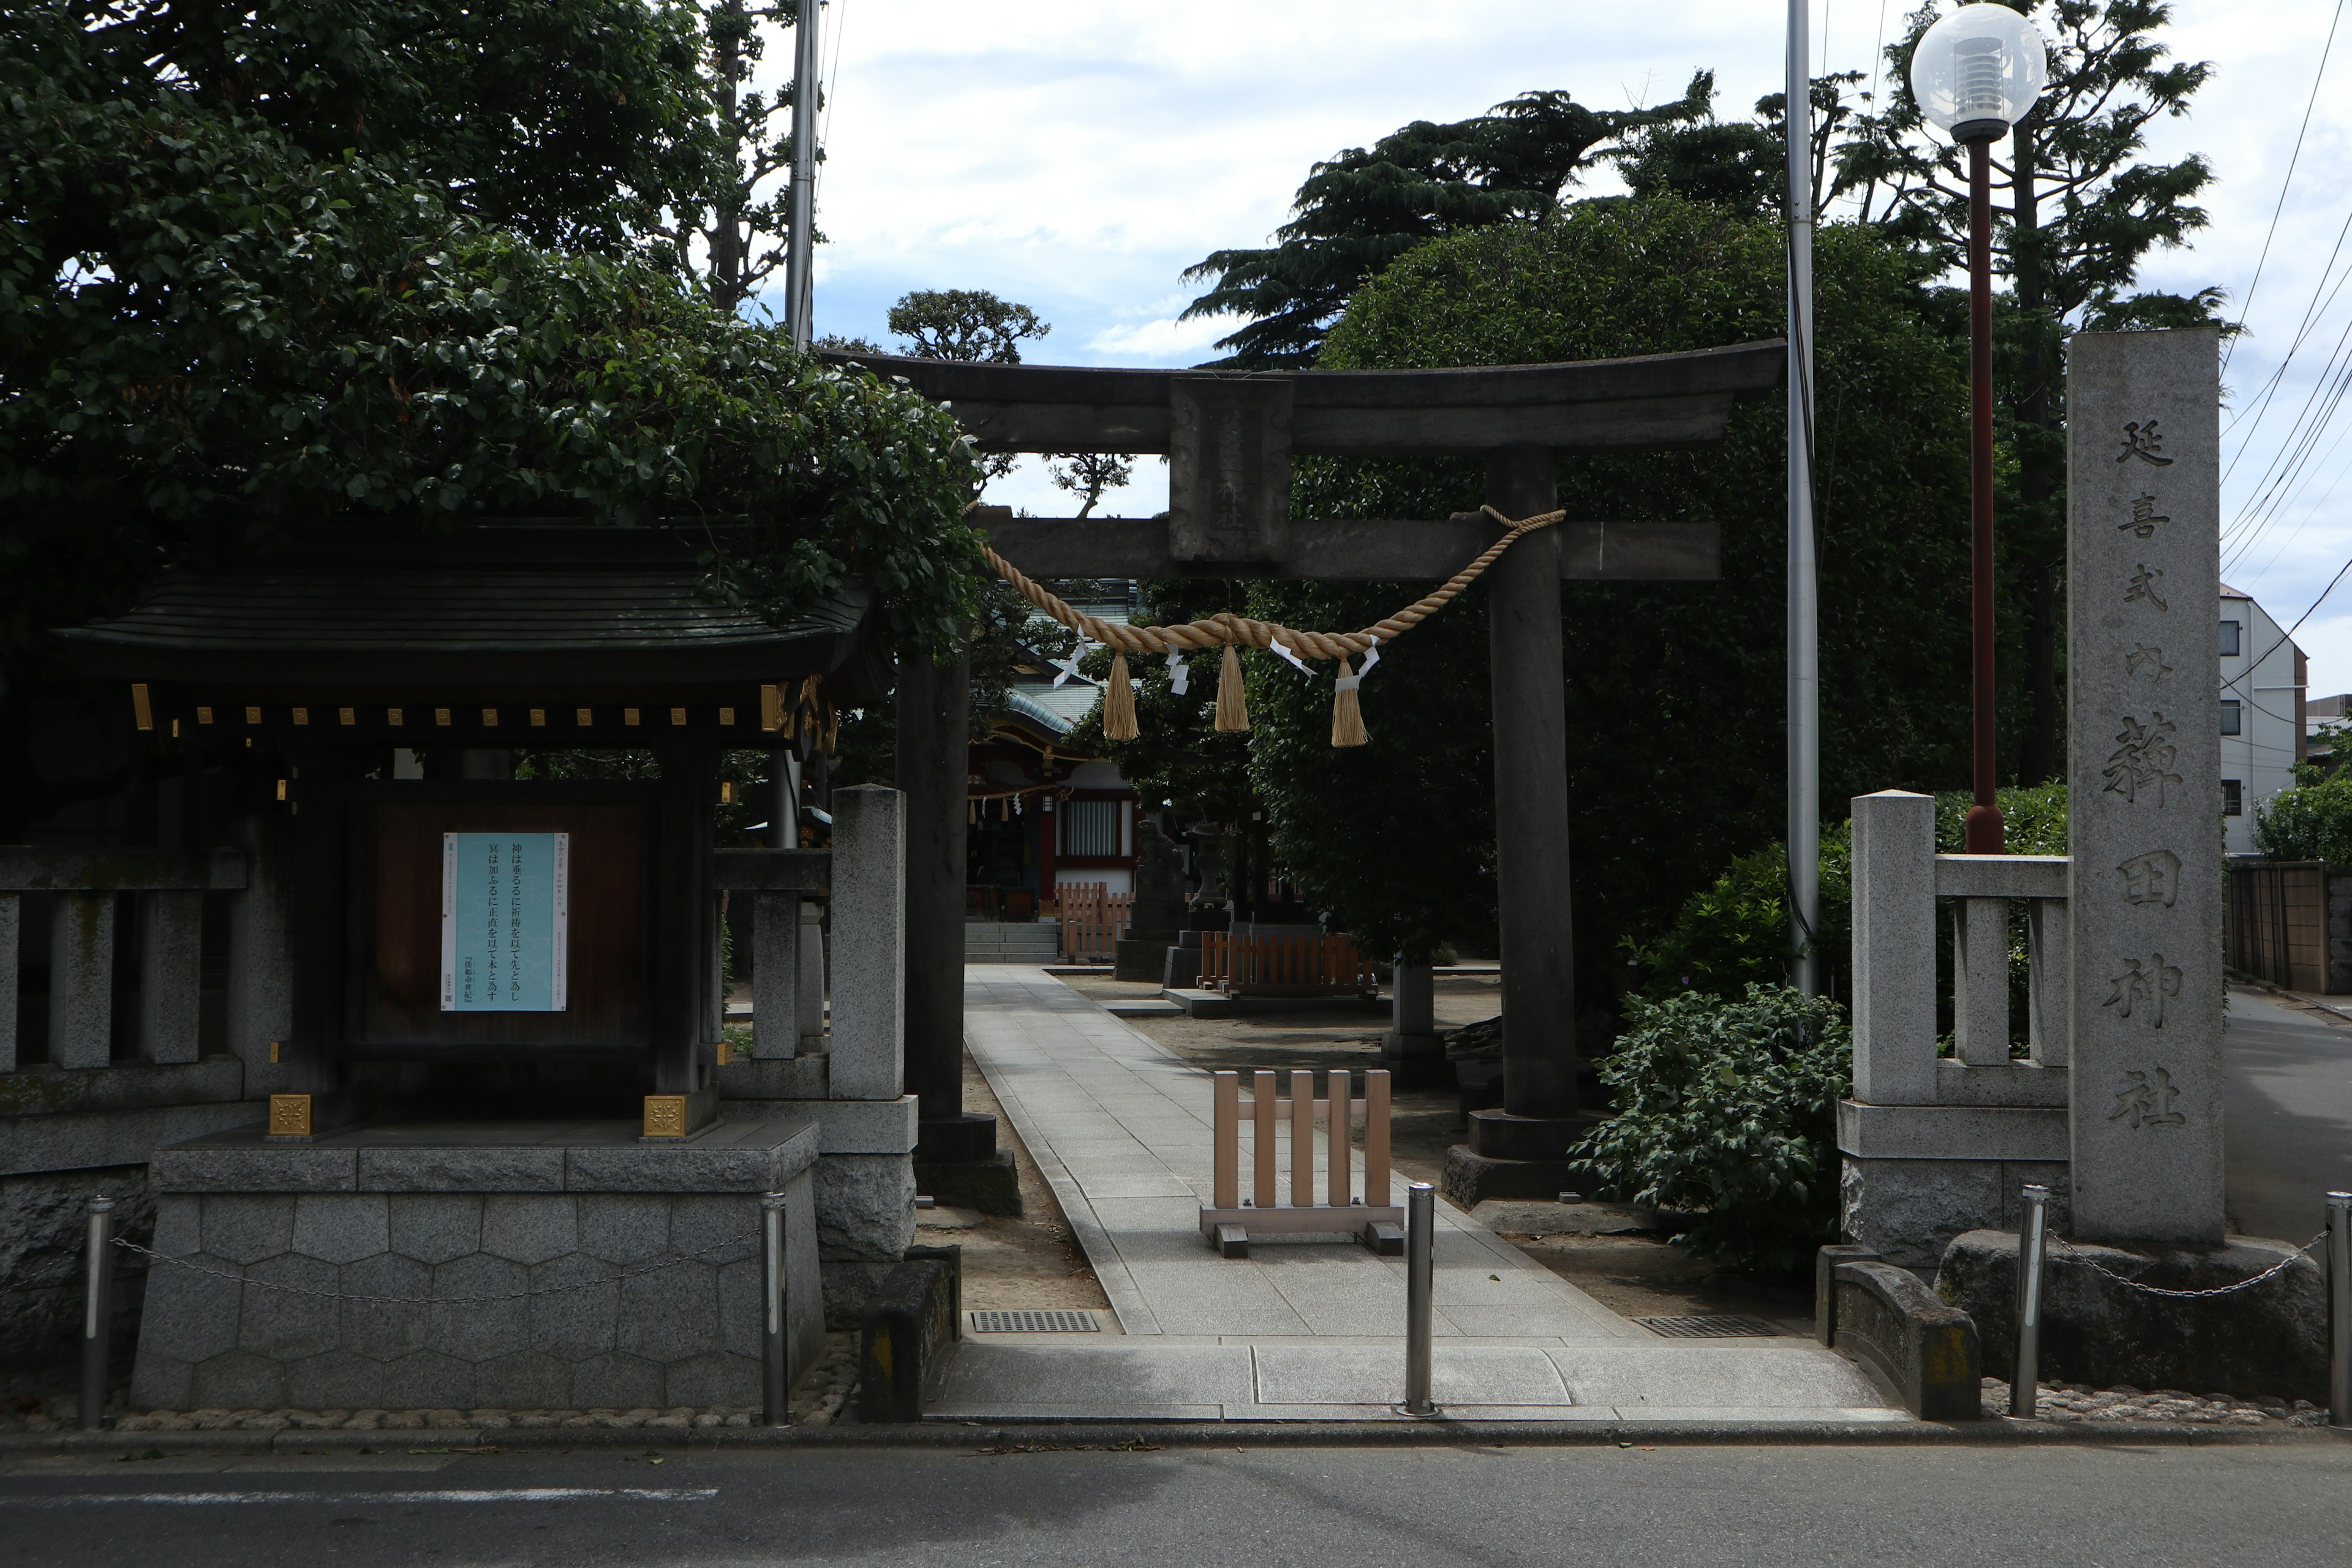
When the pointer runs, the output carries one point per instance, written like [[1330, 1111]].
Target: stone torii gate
[[1229, 438]]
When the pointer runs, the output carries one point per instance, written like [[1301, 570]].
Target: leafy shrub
[[1734, 932], [1728, 1109], [2312, 822]]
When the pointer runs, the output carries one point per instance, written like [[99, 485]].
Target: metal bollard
[[97, 1312], [2339, 1304], [775, 1365], [1420, 1284], [2032, 1250]]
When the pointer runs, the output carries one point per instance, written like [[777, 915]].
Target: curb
[[1045, 1438]]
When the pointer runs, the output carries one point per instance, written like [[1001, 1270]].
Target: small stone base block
[[1472, 1178], [1499, 1135], [991, 1185], [970, 1136], [908, 1329], [1925, 1351], [1144, 959], [1908, 1211], [2269, 1340], [1415, 1061]]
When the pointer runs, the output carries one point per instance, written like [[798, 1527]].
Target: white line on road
[[351, 1500]]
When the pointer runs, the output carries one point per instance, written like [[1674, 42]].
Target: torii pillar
[[1229, 438]]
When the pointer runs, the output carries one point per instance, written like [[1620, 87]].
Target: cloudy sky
[[1076, 155]]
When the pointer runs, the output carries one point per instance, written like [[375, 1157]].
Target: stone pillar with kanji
[[2144, 785]]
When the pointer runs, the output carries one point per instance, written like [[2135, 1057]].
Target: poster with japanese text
[[505, 915]]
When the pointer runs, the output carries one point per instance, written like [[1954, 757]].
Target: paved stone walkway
[[1121, 1129]]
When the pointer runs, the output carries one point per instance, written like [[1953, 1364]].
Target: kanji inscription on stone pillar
[[2144, 783]]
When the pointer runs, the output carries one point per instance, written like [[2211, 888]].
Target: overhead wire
[[2293, 159]]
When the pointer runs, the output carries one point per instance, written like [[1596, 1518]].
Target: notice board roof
[[518, 612]]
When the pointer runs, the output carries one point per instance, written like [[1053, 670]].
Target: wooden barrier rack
[[1229, 1222]]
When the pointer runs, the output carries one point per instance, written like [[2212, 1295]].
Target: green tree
[[733, 238], [204, 319], [1673, 689], [572, 122], [969, 324], [2077, 209], [1741, 165], [1360, 211]]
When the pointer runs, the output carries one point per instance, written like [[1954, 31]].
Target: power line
[[2293, 158], [2288, 635]]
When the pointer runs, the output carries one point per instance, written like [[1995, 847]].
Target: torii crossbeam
[[1230, 436]]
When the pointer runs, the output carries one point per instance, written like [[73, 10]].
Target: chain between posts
[[749, 1242], [2280, 1267]]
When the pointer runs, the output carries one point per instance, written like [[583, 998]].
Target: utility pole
[[800, 242], [1804, 835]]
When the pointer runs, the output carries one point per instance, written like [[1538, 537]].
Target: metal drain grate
[[1725, 1328], [1029, 1322]]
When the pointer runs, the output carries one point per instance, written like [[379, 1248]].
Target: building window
[[2232, 803], [2233, 717], [1090, 828], [2228, 639]]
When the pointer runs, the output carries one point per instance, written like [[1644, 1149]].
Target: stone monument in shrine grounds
[[1229, 438], [2117, 1108]]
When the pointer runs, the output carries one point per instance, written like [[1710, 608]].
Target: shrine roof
[[538, 607]]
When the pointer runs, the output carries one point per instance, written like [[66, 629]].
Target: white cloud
[[1165, 341]]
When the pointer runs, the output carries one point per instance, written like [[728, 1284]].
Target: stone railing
[[168, 886], [121, 929], [1935, 1145]]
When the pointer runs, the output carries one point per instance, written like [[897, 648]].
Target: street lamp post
[[1976, 74]]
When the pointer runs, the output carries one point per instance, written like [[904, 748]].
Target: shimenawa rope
[[1230, 632]]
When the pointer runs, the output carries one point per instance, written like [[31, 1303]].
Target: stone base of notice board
[[552, 1265]]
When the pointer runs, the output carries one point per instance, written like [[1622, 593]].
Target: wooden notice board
[[398, 960]]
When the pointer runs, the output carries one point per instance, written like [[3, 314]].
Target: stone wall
[[354, 1272], [66, 1135]]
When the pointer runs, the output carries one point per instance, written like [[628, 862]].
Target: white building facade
[[2263, 714]]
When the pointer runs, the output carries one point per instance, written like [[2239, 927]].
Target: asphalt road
[[2288, 1134], [2080, 1507]]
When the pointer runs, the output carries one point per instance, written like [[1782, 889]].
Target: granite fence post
[[1893, 947], [869, 936], [810, 998], [171, 951], [81, 980], [12, 927], [2144, 775], [260, 977], [776, 975]]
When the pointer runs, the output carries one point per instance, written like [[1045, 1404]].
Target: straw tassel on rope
[[1347, 712], [1233, 702], [1118, 701]]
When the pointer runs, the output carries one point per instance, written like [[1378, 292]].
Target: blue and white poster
[[505, 912]]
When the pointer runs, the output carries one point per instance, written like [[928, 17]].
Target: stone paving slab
[[1122, 1129], [1137, 1379], [1312, 1330]]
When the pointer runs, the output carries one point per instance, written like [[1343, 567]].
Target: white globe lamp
[[1976, 72]]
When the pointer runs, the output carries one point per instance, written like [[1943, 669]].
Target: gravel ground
[[2065, 1402], [1030, 1259]]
